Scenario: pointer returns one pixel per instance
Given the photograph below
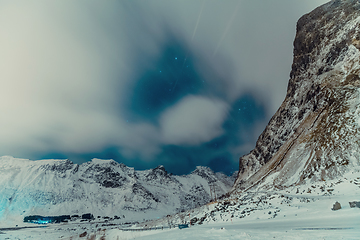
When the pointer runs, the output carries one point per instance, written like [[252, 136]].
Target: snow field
[[298, 212]]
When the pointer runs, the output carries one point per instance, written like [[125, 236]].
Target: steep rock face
[[101, 187], [314, 135]]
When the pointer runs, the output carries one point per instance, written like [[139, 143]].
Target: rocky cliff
[[315, 134]]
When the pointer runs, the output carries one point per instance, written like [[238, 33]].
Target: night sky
[[177, 83]]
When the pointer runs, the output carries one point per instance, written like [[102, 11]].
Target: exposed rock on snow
[[315, 133], [101, 187], [336, 206], [354, 204]]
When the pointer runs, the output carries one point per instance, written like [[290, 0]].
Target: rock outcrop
[[354, 204], [315, 134]]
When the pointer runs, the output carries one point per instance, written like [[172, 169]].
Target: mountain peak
[[160, 167], [103, 161]]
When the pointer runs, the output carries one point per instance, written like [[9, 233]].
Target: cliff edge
[[315, 134]]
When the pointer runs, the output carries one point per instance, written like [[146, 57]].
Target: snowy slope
[[315, 134], [299, 212], [100, 187]]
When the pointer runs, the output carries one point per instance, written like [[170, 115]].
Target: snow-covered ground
[[300, 212], [342, 224], [290, 228]]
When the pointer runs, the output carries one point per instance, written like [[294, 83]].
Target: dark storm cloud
[[179, 83]]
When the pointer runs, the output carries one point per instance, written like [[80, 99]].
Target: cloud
[[63, 66], [141, 141], [53, 83], [193, 120], [78, 77], [253, 37]]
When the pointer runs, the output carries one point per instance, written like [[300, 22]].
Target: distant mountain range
[[103, 188]]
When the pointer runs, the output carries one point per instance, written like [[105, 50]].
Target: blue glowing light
[[42, 221]]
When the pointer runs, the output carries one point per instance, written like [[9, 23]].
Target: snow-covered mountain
[[315, 134], [101, 187]]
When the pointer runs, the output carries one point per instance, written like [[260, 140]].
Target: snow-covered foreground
[[299, 212], [340, 227], [308, 220], [343, 224]]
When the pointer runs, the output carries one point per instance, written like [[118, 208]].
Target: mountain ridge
[[101, 187], [314, 134]]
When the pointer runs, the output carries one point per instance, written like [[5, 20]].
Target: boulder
[[336, 206], [354, 204]]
